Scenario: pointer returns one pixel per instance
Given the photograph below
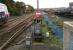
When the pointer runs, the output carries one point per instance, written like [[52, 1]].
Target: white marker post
[[47, 34]]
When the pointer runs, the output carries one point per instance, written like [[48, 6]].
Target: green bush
[[13, 11]]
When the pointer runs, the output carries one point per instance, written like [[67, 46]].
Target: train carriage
[[3, 14], [38, 17]]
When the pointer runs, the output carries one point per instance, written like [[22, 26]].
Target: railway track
[[11, 21], [15, 19], [19, 40], [12, 24], [15, 38], [13, 32]]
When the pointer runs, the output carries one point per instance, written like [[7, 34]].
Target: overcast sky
[[47, 3]]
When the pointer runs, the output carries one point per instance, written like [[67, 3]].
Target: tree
[[29, 9], [21, 6], [16, 8], [11, 6]]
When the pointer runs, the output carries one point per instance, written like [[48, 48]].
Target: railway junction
[[38, 29], [29, 33]]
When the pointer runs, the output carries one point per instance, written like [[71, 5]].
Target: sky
[[47, 3]]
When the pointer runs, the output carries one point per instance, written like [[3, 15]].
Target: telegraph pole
[[37, 5]]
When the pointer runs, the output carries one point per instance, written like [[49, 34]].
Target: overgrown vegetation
[[56, 21], [52, 39], [16, 8]]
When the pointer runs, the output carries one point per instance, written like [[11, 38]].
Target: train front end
[[3, 18], [3, 14], [38, 17]]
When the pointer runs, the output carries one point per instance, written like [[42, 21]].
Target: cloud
[[47, 3]]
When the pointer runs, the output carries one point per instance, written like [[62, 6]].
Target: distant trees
[[16, 8], [20, 7], [29, 9], [11, 6]]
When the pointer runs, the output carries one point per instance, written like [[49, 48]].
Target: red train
[[38, 17]]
